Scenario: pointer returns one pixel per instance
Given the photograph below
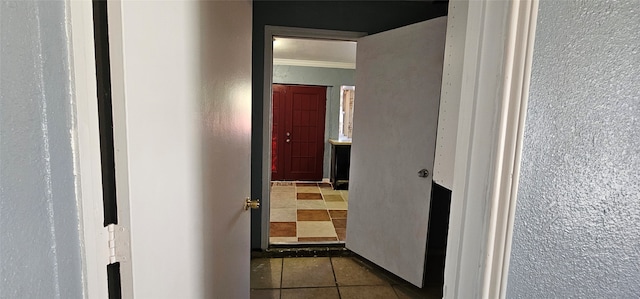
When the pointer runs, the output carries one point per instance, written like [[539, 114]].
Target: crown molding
[[314, 63]]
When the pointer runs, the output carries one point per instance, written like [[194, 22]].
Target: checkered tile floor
[[330, 278], [307, 213]]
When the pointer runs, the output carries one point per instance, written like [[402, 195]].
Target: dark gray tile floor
[[329, 278]]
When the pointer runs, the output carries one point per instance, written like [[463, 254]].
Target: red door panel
[[278, 131], [298, 148]]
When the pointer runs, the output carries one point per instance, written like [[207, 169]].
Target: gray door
[[398, 80]]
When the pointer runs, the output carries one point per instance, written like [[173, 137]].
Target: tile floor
[[307, 213], [329, 278]]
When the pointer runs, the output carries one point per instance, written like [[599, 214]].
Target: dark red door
[[298, 132]]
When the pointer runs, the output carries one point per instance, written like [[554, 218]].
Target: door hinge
[[119, 249]]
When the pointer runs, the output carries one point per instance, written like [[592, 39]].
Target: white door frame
[[497, 64], [267, 122], [94, 237], [496, 73], [86, 131]]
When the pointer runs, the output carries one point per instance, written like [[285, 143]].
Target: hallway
[[329, 278]]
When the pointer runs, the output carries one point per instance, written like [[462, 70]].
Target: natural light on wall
[[347, 95], [241, 93]]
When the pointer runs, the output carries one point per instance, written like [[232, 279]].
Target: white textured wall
[[577, 226], [39, 234]]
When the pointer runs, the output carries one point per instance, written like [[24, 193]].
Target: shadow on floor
[[329, 277]]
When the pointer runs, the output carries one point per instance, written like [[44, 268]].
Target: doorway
[[371, 46], [464, 259], [304, 207]]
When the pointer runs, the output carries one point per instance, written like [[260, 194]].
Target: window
[[347, 95]]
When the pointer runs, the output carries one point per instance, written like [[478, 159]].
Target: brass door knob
[[251, 204]]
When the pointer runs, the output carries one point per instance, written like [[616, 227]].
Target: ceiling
[[313, 52]]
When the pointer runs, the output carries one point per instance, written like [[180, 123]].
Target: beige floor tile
[[266, 273], [367, 292], [336, 205], [350, 272], [345, 194], [316, 229], [277, 203], [310, 293], [311, 205], [265, 294], [282, 240], [282, 215], [307, 272], [305, 185], [413, 292], [332, 197], [330, 192], [282, 195], [282, 188], [307, 190]]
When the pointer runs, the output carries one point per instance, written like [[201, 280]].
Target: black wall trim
[[105, 114], [113, 278], [438, 233]]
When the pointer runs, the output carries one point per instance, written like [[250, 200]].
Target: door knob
[[251, 204], [423, 173], [288, 140], [288, 134]]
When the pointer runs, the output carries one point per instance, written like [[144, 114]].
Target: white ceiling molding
[[314, 63]]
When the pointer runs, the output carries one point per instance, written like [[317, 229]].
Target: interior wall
[[360, 16], [576, 229], [333, 78], [39, 228]]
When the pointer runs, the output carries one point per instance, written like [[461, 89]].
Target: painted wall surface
[[371, 17], [40, 253], [332, 78], [577, 223]]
